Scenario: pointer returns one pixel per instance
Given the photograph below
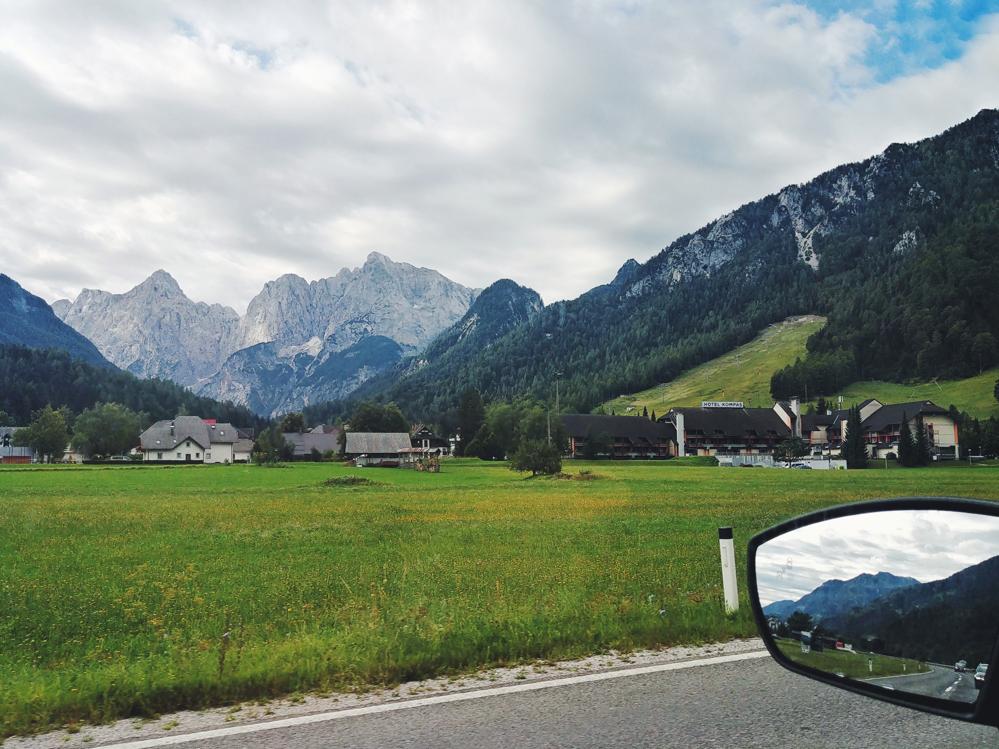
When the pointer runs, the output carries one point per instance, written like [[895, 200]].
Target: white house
[[191, 439]]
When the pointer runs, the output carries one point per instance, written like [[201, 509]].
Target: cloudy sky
[[927, 545], [231, 142]]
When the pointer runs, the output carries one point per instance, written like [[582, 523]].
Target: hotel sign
[[721, 404]]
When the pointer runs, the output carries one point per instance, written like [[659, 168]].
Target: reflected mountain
[[834, 597], [943, 621]]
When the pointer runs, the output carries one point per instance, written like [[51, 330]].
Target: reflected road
[[941, 681]]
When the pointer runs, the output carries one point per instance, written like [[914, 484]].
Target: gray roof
[[891, 414], [377, 443], [634, 428], [167, 434], [306, 442], [243, 445], [732, 422]]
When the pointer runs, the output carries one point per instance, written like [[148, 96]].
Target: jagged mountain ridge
[[26, 320], [154, 330], [834, 597], [298, 342], [806, 249]]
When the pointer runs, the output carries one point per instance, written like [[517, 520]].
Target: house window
[[159, 456], [197, 455], [178, 456]]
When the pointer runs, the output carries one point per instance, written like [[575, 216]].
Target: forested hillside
[[26, 320], [899, 251], [33, 378]]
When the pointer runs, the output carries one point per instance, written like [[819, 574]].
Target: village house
[[423, 437], [322, 440], [191, 439], [882, 426], [385, 449], [730, 429], [620, 436]]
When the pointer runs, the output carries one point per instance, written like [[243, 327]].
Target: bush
[[538, 457]]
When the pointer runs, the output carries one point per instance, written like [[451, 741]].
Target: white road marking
[[475, 694]]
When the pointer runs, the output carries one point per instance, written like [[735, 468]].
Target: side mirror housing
[[893, 599]]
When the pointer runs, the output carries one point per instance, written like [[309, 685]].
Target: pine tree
[[653, 417], [921, 448], [645, 412], [854, 452], [906, 449]]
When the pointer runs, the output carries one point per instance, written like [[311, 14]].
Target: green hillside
[[742, 374], [974, 394]]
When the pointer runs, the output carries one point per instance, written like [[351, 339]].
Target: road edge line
[[439, 699]]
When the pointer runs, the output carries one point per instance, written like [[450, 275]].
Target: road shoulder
[[185, 722]]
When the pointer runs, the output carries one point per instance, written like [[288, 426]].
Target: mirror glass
[[906, 600]]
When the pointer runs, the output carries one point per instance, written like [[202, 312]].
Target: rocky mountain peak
[[160, 282], [154, 330], [377, 258]]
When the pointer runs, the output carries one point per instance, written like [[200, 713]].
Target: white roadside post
[[729, 581]]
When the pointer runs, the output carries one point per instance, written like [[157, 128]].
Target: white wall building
[[191, 439]]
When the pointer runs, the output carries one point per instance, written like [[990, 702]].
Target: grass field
[[974, 394], [138, 590], [849, 664], [743, 374]]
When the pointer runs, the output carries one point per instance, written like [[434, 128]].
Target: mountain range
[[942, 621], [298, 343], [899, 252], [833, 597]]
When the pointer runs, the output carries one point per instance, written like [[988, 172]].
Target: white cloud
[[232, 142], [923, 544]]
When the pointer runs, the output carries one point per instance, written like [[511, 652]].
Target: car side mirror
[[894, 599]]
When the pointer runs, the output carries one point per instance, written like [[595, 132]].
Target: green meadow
[[138, 590], [854, 665], [742, 374]]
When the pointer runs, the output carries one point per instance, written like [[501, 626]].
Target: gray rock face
[[298, 343], [154, 330], [801, 213], [410, 305]]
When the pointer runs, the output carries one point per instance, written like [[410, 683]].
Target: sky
[[547, 142], [923, 544]]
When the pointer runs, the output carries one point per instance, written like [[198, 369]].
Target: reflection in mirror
[[906, 600]]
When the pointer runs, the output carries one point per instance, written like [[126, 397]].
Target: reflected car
[[980, 674], [961, 666]]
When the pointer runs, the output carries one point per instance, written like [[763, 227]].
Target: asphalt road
[[942, 682], [751, 703]]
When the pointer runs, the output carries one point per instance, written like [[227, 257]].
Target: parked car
[[980, 674]]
